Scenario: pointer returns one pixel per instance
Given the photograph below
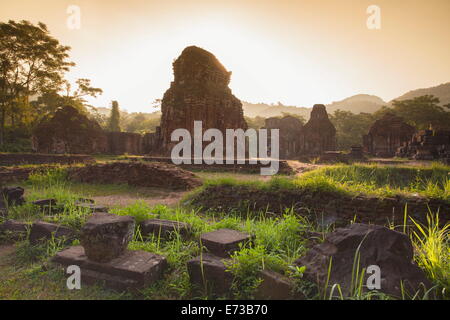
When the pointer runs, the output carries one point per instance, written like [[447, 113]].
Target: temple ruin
[[316, 137], [427, 145], [386, 135], [319, 134], [199, 92]]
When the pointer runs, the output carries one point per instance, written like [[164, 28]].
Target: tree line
[[33, 65]]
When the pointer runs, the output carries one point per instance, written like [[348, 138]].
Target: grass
[[372, 179], [207, 175], [431, 182], [432, 246]]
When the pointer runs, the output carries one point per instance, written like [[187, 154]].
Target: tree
[[256, 122], [50, 100], [350, 127], [31, 61], [423, 111], [114, 119], [295, 115], [156, 104]]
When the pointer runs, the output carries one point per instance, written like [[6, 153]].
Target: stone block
[[275, 286], [207, 273], [390, 250], [91, 206], [13, 196], [49, 206], [105, 236], [164, 228], [223, 242], [14, 230], [41, 231], [131, 270], [45, 202]]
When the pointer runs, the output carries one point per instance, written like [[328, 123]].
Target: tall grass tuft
[[432, 250]]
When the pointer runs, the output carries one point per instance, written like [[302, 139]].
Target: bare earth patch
[[122, 200]]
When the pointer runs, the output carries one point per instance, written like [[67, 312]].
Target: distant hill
[[357, 104], [270, 110], [441, 91]]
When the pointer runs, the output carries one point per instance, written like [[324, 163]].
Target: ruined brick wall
[[125, 142], [69, 131], [327, 207], [15, 159], [199, 92], [427, 145], [290, 131], [151, 142], [386, 135]]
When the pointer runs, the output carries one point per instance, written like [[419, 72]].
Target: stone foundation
[[284, 167], [427, 145], [16, 159], [326, 207], [132, 270], [158, 175]]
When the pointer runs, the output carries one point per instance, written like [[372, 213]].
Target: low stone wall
[[284, 167], [15, 159], [124, 142], [14, 174], [158, 175], [327, 207]]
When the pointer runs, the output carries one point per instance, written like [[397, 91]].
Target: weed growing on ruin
[[27, 253], [50, 178], [432, 246], [139, 210], [245, 266]]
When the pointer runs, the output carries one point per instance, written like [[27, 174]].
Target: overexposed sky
[[298, 52]]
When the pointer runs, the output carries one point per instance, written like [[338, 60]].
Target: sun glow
[[296, 52], [263, 70]]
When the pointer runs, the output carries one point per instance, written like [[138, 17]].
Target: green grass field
[[25, 273]]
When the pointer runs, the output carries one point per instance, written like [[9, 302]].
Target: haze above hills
[[356, 104]]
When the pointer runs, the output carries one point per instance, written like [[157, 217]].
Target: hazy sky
[[298, 52]]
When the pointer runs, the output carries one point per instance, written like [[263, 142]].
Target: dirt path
[[166, 198]]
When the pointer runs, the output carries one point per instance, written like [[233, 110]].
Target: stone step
[[223, 242], [90, 277], [133, 269]]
